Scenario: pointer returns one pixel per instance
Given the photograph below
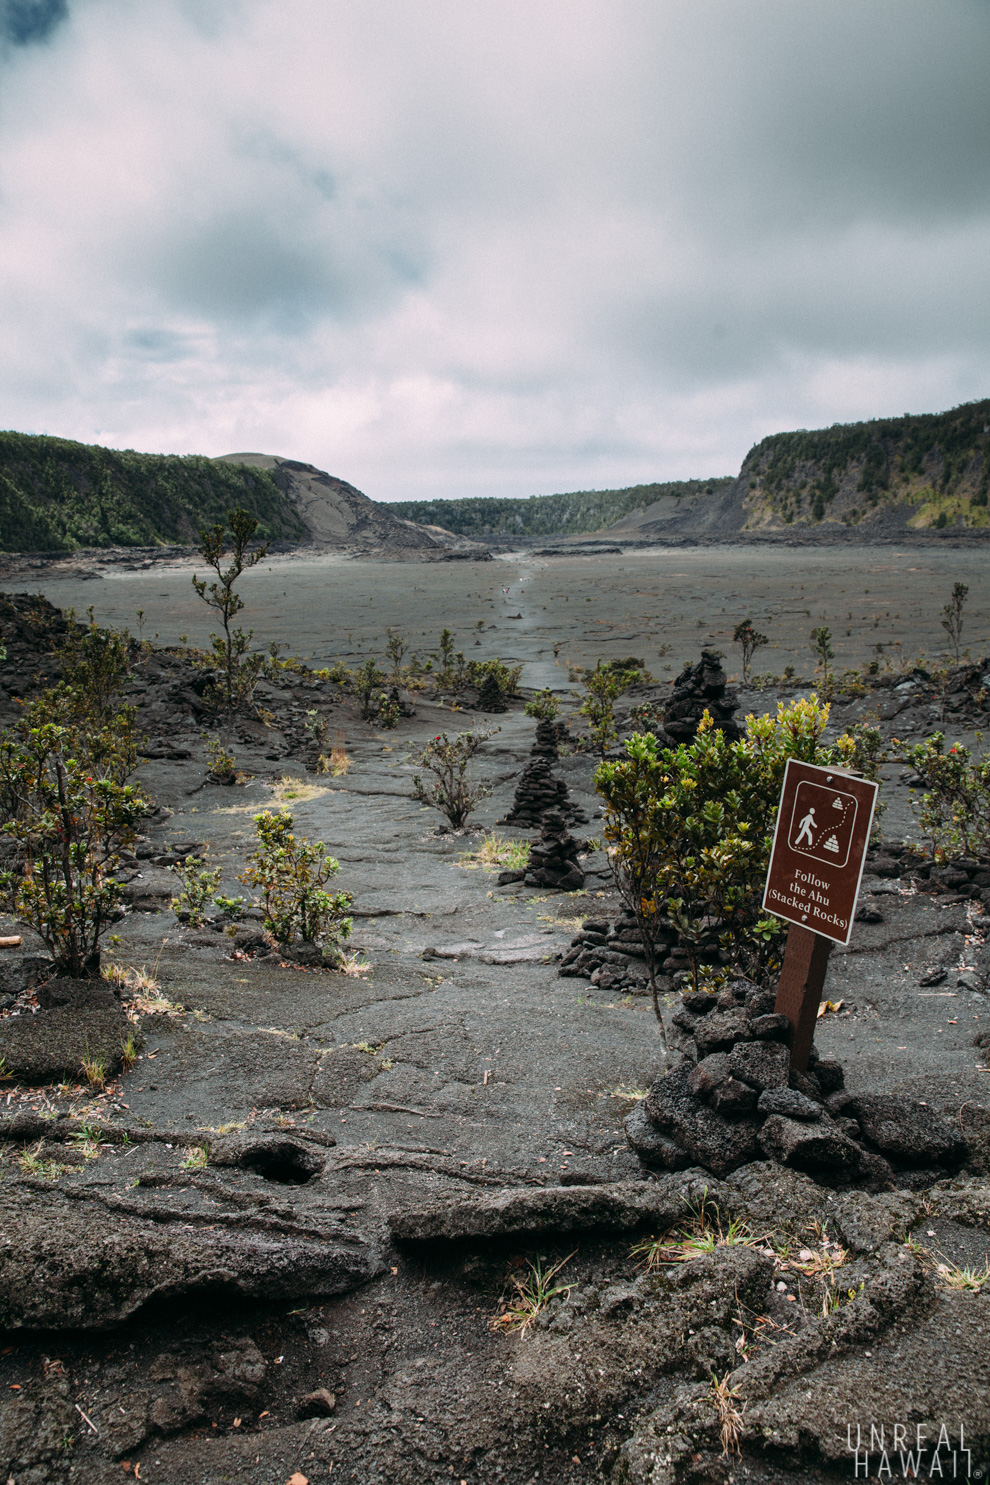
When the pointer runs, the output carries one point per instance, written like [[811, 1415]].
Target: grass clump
[[530, 1295], [497, 853], [701, 1234]]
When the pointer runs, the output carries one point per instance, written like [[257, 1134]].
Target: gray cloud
[[25, 21], [549, 244]]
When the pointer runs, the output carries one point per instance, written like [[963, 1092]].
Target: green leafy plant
[[199, 884], [504, 678], [447, 759], [544, 706], [749, 640], [446, 673], [70, 815], [954, 810], [94, 664], [690, 830], [238, 671], [369, 680], [396, 648], [603, 688], [223, 765], [293, 873], [389, 711], [952, 617]]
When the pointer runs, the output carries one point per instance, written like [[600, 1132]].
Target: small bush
[[505, 677], [223, 765], [954, 810], [447, 759], [544, 706], [70, 814], [690, 831], [292, 874], [198, 888]]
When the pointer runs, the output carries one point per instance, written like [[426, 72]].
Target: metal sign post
[[816, 866]]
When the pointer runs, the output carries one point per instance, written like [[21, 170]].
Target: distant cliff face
[[927, 471], [336, 514]]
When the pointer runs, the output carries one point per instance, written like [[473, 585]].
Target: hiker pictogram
[[822, 823]]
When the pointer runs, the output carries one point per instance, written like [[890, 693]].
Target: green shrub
[[954, 810], [447, 759], [544, 706], [604, 686], [199, 886], [70, 814], [690, 831], [94, 664], [477, 672], [293, 873], [368, 681]]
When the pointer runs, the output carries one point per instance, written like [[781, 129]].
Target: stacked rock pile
[[538, 790], [700, 688], [612, 955], [490, 697], [960, 879], [553, 860], [734, 1099]]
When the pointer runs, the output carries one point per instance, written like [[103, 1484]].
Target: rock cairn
[[538, 791], [700, 688], [734, 1099], [552, 860], [490, 697], [612, 956]]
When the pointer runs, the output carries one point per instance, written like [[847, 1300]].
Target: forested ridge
[[546, 515], [58, 495], [937, 463]]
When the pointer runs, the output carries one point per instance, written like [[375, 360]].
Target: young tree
[[952, 617], [369, 680], [821, 644], [447, 759], [396, 650], [70, 814], [604, 686], [238, 670], [751, 640]]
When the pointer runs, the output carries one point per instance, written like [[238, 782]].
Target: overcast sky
[[451, 247]]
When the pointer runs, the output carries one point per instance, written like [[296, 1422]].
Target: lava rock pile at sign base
[[734, 1099]]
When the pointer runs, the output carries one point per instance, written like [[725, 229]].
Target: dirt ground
[[175, 1320]]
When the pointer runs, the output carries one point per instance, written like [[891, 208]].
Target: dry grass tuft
[[729, 1415], [702, 1234], [290, 790]]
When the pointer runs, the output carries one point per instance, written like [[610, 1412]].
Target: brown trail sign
[[816, 866]]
